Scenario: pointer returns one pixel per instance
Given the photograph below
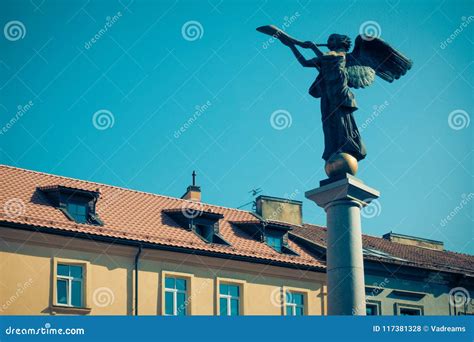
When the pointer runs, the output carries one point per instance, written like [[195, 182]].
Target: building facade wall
[[430, 296], [28, 279]]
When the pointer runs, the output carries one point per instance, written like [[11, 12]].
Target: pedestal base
[[342, 200]]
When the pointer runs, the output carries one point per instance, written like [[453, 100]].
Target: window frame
[[303, 292], [188, 300], [77, 204], [274, 236], [69, 280], [85, 281], [377, 305], [401, 306], [175, 291], [228, 298], [242, 284]]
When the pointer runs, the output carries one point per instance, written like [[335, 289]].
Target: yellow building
[[75, 247]]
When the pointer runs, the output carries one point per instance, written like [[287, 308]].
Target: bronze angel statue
[[340, 70]]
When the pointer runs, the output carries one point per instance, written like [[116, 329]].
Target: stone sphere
[[339, 164]]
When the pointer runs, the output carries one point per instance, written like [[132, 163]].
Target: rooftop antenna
[[253, 192], [194, 177]]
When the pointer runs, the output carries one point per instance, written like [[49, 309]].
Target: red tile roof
[[401, 254], [136, 216], [139, 216]]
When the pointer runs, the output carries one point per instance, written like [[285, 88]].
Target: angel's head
[[339, 43]]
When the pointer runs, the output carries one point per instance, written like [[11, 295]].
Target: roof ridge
[[119, 187]]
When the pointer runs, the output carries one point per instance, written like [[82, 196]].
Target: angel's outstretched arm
[[308, 63]]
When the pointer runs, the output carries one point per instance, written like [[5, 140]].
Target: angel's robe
[[337, 105]]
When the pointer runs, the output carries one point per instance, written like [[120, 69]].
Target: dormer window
[[205, 231], [78, 211], [204, 224], [274, 234], [275, 240], [77, 204]]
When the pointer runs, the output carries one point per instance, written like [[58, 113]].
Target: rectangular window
[[372, 309], [275, 240], [410, 312], [294, 304], [69, 285], [175, 296], [229, 299], [78, 211]]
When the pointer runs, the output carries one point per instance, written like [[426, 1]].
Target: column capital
[[347, 188]]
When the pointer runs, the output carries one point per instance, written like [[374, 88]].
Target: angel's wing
[[372, 56], [359, 76]]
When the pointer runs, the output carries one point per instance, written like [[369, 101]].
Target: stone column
[[342, 200]]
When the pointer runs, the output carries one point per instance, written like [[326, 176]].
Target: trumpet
[[275, 32]]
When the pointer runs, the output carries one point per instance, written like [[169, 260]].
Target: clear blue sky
[[144, 71]]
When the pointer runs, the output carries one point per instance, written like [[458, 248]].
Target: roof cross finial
[[194, 177]]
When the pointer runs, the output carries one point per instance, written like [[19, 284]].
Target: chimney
[[414, 241], [280, 209], [193, 192]]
